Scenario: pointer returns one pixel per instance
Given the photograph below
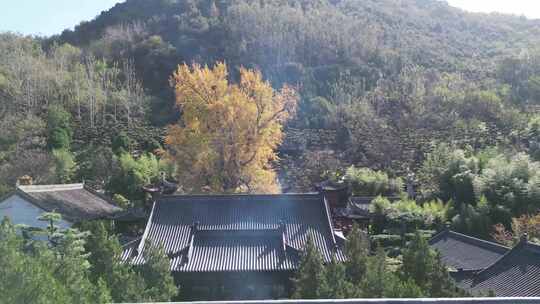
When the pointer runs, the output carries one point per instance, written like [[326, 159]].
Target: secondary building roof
[[74, 201], [484, 267], [462, 252], [515, 274], [238, 232], [359, 206]]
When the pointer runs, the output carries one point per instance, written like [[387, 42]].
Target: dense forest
[[270, 96]]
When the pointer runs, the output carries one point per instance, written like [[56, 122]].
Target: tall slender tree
[[425, 268], [160, 285], [357, 250], [310, 281]]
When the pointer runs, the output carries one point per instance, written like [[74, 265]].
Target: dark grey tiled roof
[[74, 201], [460, 251], [491, 267], [329, 185], [129, 248], [358, 206], [238, 232], [240, 251], [366, 200], [515, 274]]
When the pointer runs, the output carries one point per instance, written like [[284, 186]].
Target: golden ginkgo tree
[[227, 138]]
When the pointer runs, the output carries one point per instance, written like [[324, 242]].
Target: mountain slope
[[427, 32], [391, 78]]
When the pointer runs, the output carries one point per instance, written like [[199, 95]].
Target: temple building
[[75, 202], [346, 209], [486, 268], [237, 246]]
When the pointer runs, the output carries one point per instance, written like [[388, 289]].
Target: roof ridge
[[481, 241], [258, 233], [329, 220], [471, 239], [74, 201], [240, 195], [237, 230], [146, 230], [375, 196], [531, 245], [52, 187], [253, 198]]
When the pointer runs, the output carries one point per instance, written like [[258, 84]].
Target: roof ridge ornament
[[524, 238], [447, 226]]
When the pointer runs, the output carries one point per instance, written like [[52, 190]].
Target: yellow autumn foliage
[[228, 135]]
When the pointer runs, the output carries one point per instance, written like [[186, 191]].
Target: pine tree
[[399, 288], [53, 271], [59, 137], [65, 165], [121, 143], [418, 262], [72, 266], [102, 294], [156, 272], [357, 251], [26, 279], [125, 284], [52, 219], [425, 268], [338, 285], [441, 284], [310, 281], [59, 131], [375, 283]]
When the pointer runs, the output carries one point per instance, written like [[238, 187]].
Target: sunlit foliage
[[229, 132]]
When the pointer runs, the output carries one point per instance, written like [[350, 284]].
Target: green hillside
[[391, 79]]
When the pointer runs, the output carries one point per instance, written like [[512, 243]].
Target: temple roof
[[515, 274], [74, 202], [358, 207], [489, 267], [238, 232], [462, 252], [240, 250]]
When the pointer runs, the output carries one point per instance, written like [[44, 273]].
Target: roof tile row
[[484, 267], [279, 225]]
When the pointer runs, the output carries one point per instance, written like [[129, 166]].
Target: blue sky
[[529, 8], [47, 17]]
